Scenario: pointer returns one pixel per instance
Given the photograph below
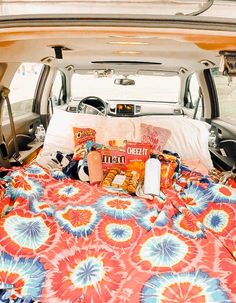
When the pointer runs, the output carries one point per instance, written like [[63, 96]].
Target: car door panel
[[224, 155], [25, 128]]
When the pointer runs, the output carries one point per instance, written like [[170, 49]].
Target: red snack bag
[[81, 136]]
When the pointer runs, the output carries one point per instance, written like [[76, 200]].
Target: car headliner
[[180, 43]]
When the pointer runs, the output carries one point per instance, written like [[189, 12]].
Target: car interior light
[[128, 52], [131, 37], [128, 43]]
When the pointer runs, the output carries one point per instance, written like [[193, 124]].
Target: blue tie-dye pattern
[[81, 231], [155, 286], [135, 210], [30, 270]]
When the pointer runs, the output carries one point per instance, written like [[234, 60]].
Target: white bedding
[[189, 138]]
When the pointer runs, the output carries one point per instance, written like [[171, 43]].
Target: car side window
[[22, 89], [193, 98], [226, 92], [58, 91]]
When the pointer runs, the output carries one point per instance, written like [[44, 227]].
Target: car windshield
[[146, 88]]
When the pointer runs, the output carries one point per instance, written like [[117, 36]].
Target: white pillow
[[59, 134], [189, 137]]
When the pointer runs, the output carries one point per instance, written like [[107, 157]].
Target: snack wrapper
[[168, 167], [81, 136]]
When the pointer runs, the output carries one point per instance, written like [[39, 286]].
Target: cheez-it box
[[136, 151]]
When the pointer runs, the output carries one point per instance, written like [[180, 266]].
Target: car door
[[222, 103], [224, 119], [22, 98]]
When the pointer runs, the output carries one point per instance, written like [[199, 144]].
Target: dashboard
[[132, 108]]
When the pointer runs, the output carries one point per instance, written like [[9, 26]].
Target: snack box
[[112, 158], [136, 156]]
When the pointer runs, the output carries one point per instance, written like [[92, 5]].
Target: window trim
[[63, 90], [213, 97], [39, 88]]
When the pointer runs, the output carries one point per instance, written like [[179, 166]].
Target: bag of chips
[[168, 166], [81, 136]]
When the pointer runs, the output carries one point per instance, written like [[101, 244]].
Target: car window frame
[[191, 109]]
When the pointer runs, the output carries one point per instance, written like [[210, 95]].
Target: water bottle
[[37, 134], [95, 168], [152, 177], [42, 133], [212, 139]]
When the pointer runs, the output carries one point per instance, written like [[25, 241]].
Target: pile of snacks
[[123, 163]]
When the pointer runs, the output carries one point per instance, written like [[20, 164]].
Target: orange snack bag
[[168, 166], [81, 136]]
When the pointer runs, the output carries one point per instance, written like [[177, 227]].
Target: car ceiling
[[172, 45]]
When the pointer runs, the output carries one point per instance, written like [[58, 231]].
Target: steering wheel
[[92, 105]]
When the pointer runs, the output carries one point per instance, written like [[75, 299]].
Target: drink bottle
[[152, 176], [37, 134], [42, 133], [95, 169], [212, 139]]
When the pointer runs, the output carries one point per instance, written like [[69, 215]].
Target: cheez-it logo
[[137, 151]]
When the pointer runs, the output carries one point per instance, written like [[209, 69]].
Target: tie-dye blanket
[[64, 241]]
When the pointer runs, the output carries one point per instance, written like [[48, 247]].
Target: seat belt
[[197, 104], [4, 95], [4, 156], [50, 106]]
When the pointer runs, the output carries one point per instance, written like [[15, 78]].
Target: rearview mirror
[[228, 63], [124, 81]]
